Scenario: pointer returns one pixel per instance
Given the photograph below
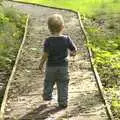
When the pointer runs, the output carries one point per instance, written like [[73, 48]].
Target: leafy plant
[[11, 30]]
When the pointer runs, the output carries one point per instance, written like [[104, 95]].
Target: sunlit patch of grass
[[114, 100], [87, 7]]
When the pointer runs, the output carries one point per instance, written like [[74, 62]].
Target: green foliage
[[115, 100], [105, 44], [1, 2], [116, 107], [104, 39], [11, 30]]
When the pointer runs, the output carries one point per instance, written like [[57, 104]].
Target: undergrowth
[[12, 23], [11, 31]]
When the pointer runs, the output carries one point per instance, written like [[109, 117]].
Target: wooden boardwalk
[[24, 100]]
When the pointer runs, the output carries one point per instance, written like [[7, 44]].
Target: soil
[[25, 95]]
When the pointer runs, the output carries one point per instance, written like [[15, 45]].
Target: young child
[[55, 53]]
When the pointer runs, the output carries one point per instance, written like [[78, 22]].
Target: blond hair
[[55, 23]]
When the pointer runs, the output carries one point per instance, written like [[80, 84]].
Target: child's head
[[55, 23]]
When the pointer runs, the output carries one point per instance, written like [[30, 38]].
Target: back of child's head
[[55, 23]]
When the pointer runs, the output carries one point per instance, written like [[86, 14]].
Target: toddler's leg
[[62, 86], [49, 83]]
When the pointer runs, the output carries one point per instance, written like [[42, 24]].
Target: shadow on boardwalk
[[80, 104], [40, 113]]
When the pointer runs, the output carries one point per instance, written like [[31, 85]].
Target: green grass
[[87, 7]]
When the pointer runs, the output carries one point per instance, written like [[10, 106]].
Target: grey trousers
[[58, 75]]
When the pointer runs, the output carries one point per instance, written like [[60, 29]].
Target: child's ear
[[62, 27]]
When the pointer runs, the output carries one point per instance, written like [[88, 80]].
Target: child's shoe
[[62, 106], [45, 98]]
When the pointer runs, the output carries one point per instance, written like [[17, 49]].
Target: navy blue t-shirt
[[57, 49]]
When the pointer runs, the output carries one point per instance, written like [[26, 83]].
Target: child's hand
[[43, 59], [73, 53], [41, 68]]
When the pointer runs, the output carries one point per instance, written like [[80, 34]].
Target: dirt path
[[24, 99]]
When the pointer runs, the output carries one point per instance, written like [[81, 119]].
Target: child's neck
[[57, 34]]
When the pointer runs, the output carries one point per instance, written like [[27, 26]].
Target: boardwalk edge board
[[97, 77], [2, 109]]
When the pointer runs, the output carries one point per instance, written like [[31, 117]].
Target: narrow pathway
[[25, 95]]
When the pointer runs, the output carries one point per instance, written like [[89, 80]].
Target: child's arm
[[43, 60], [45, 55], [72, 47]]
